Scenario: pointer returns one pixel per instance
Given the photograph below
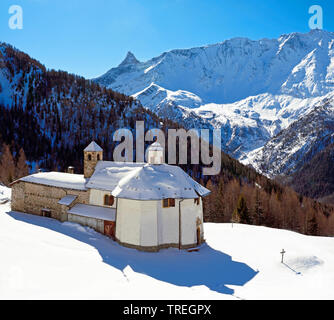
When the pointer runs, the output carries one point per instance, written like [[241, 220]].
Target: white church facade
[[147, 206]]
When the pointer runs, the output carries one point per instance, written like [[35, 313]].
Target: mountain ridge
[[252, 89]]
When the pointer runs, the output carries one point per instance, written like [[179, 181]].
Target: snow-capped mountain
[[251, 89], [296, 145]]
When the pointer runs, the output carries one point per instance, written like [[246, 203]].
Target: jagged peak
[[130, 59]]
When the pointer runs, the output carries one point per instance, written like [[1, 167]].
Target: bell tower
[[92, 154]]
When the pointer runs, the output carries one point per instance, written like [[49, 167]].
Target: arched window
[[108, 200], [89, 157]]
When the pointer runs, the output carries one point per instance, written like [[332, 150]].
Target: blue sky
[[89, 37]]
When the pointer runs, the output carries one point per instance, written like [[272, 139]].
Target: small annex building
[[147, 206]]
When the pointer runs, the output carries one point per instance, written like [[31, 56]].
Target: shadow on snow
[[211, 268]]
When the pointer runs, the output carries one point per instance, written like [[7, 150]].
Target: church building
[[147, 206]]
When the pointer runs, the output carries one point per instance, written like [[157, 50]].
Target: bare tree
[[22, 169], [7, 166]]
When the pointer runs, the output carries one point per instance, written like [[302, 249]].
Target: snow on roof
[[57, 179], [142, 181], [93, 146], [107, 174], [67, 200], [96, 212]]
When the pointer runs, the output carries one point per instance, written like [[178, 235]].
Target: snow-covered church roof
[[57, 179], [94, 147], [142, 181]]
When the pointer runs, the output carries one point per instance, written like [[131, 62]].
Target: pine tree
[[22, 169], [219, 200], [7, 166], [312, 226], [258, 210], [208, 202], [241, 213], [235, 217]]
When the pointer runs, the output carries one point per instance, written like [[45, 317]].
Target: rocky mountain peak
[[130, 59]]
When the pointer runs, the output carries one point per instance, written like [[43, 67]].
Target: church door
[[109, 229]]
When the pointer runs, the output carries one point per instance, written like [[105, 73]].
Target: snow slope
[[306, 274], [42, 258], [250, 89]]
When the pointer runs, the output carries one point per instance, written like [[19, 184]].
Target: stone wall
[[32, 198], [18, 197]]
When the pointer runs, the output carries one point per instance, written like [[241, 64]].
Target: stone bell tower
[[92, 154]]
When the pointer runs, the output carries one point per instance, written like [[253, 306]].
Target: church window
[[109, 200], [167, 203]]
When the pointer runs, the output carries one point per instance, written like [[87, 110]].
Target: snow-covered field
[[41, 258]]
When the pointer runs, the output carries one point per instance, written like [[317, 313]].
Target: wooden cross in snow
[[282, 253]]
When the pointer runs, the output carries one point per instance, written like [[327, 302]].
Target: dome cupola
[[155, 154]]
